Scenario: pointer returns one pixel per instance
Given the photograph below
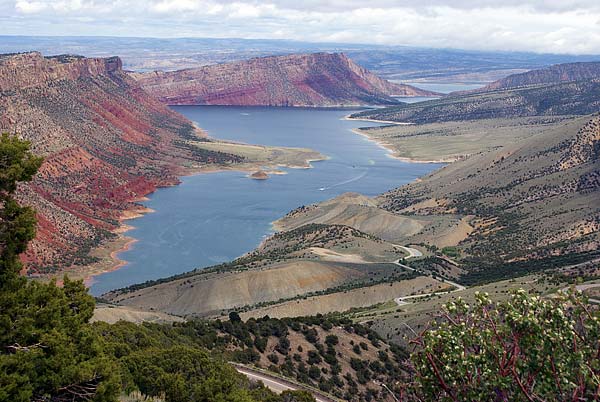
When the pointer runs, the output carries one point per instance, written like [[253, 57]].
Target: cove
[[216, 217]]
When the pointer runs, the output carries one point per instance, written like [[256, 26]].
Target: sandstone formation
[[106, 143], [319, 79]]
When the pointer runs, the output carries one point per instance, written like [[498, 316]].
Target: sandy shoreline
[[392, 152], [389, 147]]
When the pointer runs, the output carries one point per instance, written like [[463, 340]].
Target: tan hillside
[[356, 211], [210, 294]]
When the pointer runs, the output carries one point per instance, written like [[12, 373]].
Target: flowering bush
[[525, 349]]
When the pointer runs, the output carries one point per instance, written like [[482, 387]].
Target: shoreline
[[123, 243], [392, 152], [389, 122], [118, 245], [114, 257], [109, 251]]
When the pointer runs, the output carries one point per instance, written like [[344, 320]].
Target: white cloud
[[29, 7], [560, 26]]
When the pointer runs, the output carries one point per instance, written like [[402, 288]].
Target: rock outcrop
[[106, 143], [319, 79], [259, 175]]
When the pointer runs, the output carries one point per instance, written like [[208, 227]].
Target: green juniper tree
[[47, 350], [17, 223]]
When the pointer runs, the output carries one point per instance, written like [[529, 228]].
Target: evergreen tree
[[47, 350], [17, 223]]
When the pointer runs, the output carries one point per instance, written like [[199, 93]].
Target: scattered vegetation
[[50, 352]]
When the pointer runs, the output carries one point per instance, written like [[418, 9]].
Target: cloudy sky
[[556, 26]]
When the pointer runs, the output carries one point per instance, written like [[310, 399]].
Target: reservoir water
[[445, 87], [216, 217]]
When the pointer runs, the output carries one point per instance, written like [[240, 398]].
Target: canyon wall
[[105, 141], [318, 79]]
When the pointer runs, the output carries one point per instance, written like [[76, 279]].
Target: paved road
[[583, 287], [278, 385], [412, 252], [402, 300]]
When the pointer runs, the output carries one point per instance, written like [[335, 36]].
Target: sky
[[544, 26]]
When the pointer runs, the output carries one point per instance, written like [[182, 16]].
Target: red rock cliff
[[106, 143], [319, 79]]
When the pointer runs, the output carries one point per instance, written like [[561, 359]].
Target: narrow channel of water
[[216, 217]]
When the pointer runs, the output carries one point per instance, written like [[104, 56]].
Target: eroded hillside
[[537, 197], [530, 197], [564, 89], [553, 74], [106, 143], [318, 79]]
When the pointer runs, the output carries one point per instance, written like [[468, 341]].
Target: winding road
[[412, 253]]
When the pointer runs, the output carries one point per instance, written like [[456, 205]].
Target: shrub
[[331, 340], [525, 348], [314, 372]]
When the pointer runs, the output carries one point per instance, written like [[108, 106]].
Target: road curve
[[279, 385], [412, 252], [402, 300], [584, 287]]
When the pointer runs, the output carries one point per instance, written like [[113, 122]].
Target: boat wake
[[360, 176]]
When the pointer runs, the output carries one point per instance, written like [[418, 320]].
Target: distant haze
[[543, 26]]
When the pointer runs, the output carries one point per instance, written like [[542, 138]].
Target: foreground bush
[[524, 349]]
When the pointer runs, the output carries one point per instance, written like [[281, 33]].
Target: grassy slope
[[451, 141]]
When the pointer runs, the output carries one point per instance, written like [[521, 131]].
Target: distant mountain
[[106, 143], [550, 75], [317, 79], [572, 89], [392, 62]]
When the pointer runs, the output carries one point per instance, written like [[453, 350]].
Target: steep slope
[[318, 79], [550, 75], [106, 143]]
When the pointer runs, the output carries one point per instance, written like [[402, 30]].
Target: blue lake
[[216, 217], [445, 87]]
